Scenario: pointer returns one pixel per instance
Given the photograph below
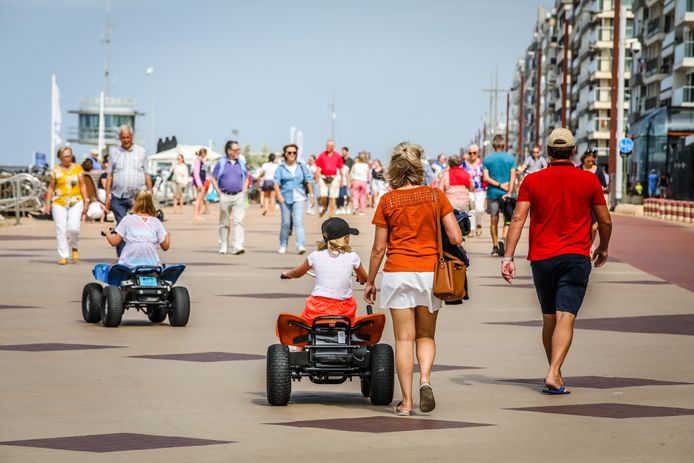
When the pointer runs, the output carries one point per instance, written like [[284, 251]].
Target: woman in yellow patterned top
[[65, 199]]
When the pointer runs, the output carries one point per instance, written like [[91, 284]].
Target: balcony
[[684, 12], [666, 83], [684, 96], [601, 124], [601, 68], [684, 54], [601, 37]]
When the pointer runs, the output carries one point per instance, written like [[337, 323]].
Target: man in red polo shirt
[[329, 176], [560, 199]]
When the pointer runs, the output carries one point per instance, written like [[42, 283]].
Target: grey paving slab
[[96, 392]]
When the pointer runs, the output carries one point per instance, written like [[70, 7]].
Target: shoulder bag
[[449, 274]]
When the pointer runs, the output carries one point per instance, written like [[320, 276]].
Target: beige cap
[[560, 137]]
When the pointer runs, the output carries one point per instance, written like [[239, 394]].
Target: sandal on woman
[[400, 411], [426, 398]]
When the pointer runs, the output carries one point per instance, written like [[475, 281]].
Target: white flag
[[56, 115], [102, 138]]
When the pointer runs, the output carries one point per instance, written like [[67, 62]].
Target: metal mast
[[107, 41]]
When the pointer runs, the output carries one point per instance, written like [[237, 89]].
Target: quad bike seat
[[115, 274], [366, 330]]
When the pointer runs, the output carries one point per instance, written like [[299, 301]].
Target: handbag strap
[[437, 216]]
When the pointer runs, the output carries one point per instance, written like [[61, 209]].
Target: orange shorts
[[318, 306]]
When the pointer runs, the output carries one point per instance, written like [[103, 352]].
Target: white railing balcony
[[666, 83], [684, 54], [683, 96], [684, 12]]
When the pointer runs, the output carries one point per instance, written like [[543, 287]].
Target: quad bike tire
[[179, 313], [157, 314], [111, 306], [278, 380], [91, 303], [382, 374]]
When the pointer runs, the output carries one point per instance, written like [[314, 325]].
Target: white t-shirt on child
[[333, 273], [142, 235]]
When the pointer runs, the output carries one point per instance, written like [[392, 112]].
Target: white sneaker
[[282, 250], [223, 249], [301, 250]]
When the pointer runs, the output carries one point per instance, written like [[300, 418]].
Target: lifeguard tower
[[117, 112]]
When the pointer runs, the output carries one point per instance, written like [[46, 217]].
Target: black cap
[[335, 228]]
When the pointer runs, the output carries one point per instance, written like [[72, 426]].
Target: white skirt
[[405, 290]]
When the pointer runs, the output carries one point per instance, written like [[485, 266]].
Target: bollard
[[647, 204], [688, 211], [680, 211], [667, 209], [661, 208]]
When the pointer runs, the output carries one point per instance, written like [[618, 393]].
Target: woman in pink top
[[199, 175], [456, 183]]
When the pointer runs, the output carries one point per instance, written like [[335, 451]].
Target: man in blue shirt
[[652, 183], [500, 176], [229, 179]]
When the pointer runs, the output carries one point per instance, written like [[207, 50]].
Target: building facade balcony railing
[[652, 66], [650, 103], [601, 124]]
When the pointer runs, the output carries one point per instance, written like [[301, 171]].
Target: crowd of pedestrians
[[407, 197]]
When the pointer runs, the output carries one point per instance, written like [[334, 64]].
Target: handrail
[[21, 193]]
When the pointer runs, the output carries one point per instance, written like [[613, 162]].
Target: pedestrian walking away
[[66, 201], [329, 178], [359, 176], [229, 180], [293, 186], [267, 185], [379, 186], [478, 196], [500, 175], [406, 234], [180, 178], [127, 175], [559, 200], [456, 184], [200, 181]]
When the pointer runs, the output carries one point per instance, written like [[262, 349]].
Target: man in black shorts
[[560, 200]]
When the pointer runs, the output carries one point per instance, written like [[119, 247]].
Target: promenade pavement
[[75, 392]]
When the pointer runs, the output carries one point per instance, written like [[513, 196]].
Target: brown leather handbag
[[449, 274]]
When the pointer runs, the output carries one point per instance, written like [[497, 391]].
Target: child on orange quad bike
[[332, 343]]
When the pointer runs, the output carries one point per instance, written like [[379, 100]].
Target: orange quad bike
[[332, 349]]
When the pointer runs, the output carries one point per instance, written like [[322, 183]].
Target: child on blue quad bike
[[142, 232], [330, 344], [138, 280]]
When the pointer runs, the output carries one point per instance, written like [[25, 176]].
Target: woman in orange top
[[406, 234]]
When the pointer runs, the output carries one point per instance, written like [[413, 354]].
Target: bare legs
[[198, 203], [557, 334], [416, 326], [494, 229]]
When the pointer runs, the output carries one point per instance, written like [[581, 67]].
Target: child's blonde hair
[[144, 204], [335, 247]]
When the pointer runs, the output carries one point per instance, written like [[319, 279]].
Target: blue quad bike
[[149, 289]]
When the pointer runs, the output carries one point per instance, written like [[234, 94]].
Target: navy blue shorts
[[561, 282]]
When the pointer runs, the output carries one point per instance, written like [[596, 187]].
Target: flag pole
[[51, 153]]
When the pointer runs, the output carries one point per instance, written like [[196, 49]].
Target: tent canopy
[[165, 159]]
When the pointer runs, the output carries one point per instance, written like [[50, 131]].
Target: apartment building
[[662, 109], [570, 58]]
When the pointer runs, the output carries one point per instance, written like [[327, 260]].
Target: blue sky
[[402, 69]]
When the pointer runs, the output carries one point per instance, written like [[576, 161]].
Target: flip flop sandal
[[399, 411], [552, 391], [426, 398]]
